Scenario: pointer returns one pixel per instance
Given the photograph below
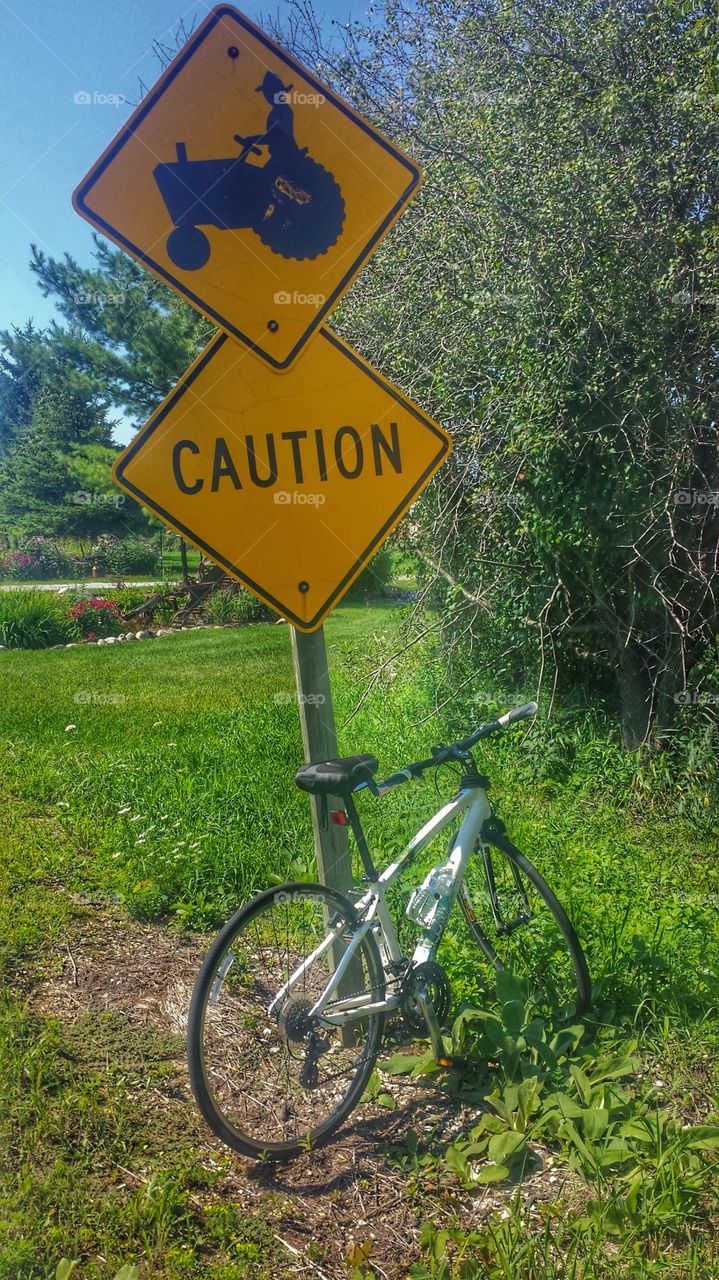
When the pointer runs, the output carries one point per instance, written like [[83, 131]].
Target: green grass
[[169, 766], [177, 777], [163, 773], [106, 1175]]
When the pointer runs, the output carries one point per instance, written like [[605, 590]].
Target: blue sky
[[51, 50]]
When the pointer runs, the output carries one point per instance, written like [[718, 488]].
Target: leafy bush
[[238, 606], [53, 561], [95, 618], [32, 620], [126, 555], [127, 598], [372, 580], [20, 566]]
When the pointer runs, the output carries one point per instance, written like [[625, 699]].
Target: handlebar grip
[[395, 779], [519, 713]]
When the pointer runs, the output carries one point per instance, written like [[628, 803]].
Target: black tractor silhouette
[[291, 202]]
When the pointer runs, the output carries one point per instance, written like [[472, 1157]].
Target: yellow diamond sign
[[291, 483], [249, 187]]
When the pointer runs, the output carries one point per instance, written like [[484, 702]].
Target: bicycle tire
[[215, 1055], [578, 998]]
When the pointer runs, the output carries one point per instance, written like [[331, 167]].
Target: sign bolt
[[303, 587], [233, 52], [273, 326]]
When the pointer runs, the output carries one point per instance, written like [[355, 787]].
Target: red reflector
[[339, 817]]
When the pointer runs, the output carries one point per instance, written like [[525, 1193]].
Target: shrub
[[372, 580], [20, 566], [126, 555], [95, 618], [238, 606], [32, 620], [129, 598], [54, 562]]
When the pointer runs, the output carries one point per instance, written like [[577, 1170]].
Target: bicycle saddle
[[336, 777]]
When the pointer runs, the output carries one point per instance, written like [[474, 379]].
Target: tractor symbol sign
[[241, 181], [289, 200]]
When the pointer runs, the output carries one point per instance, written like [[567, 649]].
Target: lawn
[[154, 782]]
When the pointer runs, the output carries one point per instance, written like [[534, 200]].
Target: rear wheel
[[520, 926], [305, 214], [268, 1077]]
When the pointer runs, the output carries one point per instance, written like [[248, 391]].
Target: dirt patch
[[122, 989]]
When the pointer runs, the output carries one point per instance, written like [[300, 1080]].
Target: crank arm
[[435, 1035]]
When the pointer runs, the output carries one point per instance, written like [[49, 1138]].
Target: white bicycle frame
[[375, 916]]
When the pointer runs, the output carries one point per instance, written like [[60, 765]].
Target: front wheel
[[269, 1076], [188, 248], [520, 926]]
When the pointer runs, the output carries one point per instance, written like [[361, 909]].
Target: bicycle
[[288, 1008]]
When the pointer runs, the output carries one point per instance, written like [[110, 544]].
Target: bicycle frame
[[375, 916]]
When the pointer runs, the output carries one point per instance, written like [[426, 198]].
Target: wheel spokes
[[517, 931], [274, 1072]]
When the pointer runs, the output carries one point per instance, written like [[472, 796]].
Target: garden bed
[[37, 619]]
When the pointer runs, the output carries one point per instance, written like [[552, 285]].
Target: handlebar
[[456, 751]]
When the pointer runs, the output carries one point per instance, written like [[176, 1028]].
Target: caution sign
[[292, 483], [249, 187]]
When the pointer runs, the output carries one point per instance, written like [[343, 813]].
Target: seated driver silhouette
[[279, 135]]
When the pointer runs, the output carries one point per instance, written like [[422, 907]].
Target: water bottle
[[425, 899]]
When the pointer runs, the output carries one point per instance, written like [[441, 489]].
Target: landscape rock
[[143, 635]]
